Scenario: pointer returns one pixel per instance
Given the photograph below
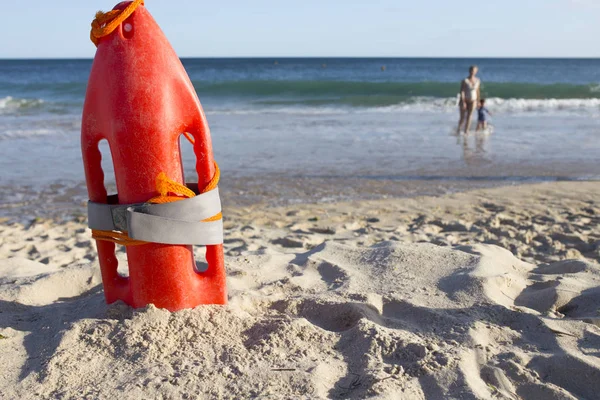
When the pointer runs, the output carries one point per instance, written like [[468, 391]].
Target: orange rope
[[116, 237], [106, 22], [189, 137], [169, 191], [164, 186]]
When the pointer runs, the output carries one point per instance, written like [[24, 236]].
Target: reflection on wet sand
[[475, 148]]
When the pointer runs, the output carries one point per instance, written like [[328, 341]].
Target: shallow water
[[320, 130]]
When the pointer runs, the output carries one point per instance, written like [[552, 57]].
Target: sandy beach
[[485, 294], [407, 203]]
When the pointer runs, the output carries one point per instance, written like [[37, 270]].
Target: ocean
[[313, 129]]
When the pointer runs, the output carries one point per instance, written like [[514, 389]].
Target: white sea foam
[[23, 133], [21, 121], [545, 104], [9, 104], [427, 104], [499, 105], [299, 110]]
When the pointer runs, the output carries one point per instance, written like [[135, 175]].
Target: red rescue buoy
[[140, 99]]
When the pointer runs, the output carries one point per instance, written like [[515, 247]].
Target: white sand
[[328, 301]]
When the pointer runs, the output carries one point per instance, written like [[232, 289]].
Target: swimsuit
[[471, 89], [482, 114]]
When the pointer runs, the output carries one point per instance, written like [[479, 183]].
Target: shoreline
[[66, 201]]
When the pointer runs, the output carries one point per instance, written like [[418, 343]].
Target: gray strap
[[100, 216], [151, 228], [170, 223], [109, 216]]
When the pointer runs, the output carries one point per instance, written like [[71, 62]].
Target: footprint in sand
[[84, 244], [333, 317], [334, 276], [234, 246], [288, 243], [540, 296], [493, 207], [565, 267], [323, 231]]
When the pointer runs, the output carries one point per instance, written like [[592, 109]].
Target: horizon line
[[327, 57]]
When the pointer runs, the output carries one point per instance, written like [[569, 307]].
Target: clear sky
[[280, 28]]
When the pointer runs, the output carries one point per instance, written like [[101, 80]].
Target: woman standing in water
[[469, 94]]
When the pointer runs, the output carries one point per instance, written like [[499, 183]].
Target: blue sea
[[315, 129]]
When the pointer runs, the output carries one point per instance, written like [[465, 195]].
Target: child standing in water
[[483, 115]]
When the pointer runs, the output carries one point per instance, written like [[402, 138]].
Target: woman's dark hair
[[482, 101], [472, 67]]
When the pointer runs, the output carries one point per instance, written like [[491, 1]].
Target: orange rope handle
[[164, 186], [189, 137], [106, 22]]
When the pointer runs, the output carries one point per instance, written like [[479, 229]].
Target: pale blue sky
[[257, 28]]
